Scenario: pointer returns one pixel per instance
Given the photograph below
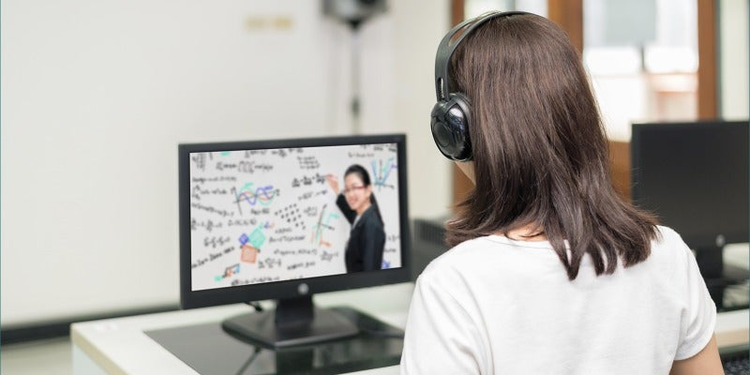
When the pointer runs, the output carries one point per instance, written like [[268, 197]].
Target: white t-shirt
[[493, 305]]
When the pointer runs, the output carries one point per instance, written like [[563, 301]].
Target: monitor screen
[[284, 219], [694, 177]]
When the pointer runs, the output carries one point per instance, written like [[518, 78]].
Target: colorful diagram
[[381, 171], [251, 244], [228, 272], [256, 238], [249, 254], [253, 196], [323, 224]]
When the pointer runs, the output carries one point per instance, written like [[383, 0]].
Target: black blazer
[[364, 250]]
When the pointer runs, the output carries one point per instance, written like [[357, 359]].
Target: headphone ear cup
[[450, 127]]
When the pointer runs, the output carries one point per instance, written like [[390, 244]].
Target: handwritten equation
[[309, 180]]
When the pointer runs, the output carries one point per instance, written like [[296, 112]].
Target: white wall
[[733, 64], [96, 95]]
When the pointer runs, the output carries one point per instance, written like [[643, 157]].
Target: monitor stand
[[295, 321], [717, 275], [710, 261]]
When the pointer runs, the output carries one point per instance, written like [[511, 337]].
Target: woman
[[364, 250], [550, 272]]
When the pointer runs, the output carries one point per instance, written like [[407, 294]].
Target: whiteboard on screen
[[271, 215]]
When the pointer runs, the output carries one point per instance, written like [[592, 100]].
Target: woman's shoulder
[[495, 253], [668, 240], [370, 216], [468, 248], [669, 250], [667, 233], [454, 269]]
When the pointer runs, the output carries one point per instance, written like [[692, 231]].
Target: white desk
[[120, 346]]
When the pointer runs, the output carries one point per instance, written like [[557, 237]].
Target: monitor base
[[725, 282], [294, 322], [209, 349]]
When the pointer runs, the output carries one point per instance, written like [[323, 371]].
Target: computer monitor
[[262, 220], [694, 177]]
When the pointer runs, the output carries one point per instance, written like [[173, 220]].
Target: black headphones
[[451, 117]]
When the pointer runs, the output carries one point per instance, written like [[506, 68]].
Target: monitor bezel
[[289, 288]]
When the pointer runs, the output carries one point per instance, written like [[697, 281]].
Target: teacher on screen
[[364, 250]]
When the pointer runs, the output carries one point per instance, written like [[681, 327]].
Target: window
[[642, 56]]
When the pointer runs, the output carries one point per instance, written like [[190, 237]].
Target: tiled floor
[[37, 357]]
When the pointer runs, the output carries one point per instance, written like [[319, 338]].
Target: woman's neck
[[363, 208], [529, 232]]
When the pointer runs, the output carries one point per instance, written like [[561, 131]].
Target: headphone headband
[[448, 46], [451, 115]]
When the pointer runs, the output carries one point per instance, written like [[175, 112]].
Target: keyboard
[[736, 360]]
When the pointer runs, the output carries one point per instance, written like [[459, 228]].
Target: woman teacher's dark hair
[[540, 150], [365, 177]]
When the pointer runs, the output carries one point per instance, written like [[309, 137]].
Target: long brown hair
[[539, 146]]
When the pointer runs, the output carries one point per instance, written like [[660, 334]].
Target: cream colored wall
[[97, 95], [734, 91]]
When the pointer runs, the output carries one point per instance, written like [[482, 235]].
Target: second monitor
[[694, 177]]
